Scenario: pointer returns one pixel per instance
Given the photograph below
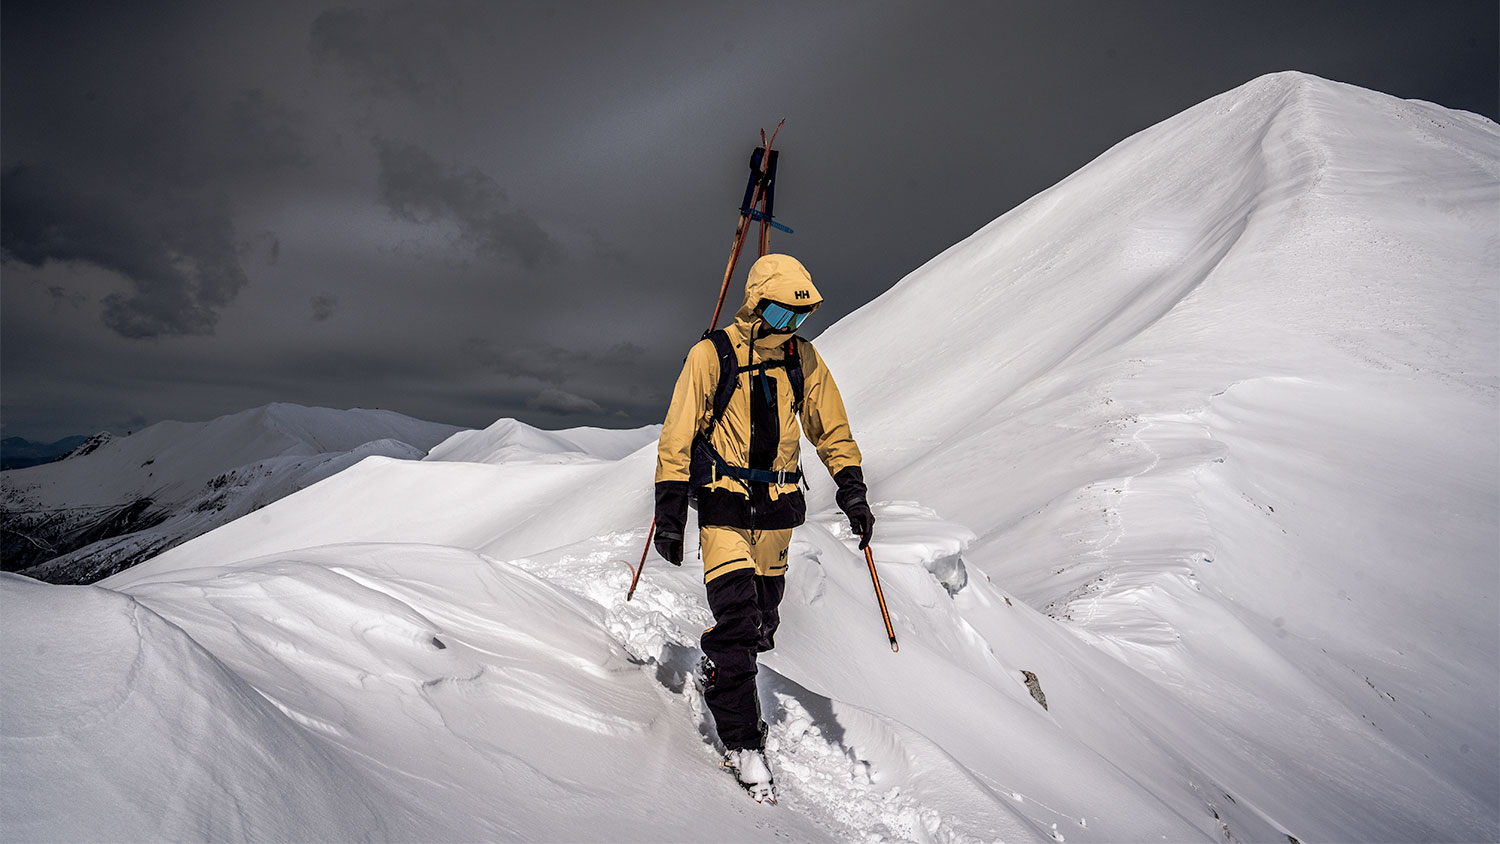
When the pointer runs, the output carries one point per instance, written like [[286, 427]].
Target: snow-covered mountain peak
[[90, 445], [322, 429], [1272, 230], [513, 441], [1315, 186]]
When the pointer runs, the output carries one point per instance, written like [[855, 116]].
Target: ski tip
[[895, 648]]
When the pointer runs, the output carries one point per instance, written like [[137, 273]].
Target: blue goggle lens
[[782, 318]]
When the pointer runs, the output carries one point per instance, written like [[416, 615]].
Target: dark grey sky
[[463, 210]]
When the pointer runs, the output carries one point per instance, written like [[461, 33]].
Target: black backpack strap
[[728, 375], [762, 476], [701, 468], [794, 373]]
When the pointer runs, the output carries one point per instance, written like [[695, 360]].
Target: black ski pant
[[745, 612]]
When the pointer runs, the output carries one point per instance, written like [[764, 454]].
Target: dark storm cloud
[[584, 159], [263, 245], [120, 155], [548, 362], [63, 296], [403, 48], [417, 187], [563, 403], [181, 263], [259, 133], [323, 307]]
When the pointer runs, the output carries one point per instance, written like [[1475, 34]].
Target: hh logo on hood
[[777, 278]]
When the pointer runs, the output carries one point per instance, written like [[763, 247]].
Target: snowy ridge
[[513, 441], [1185, 517]]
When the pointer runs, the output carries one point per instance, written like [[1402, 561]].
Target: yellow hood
[[780, 278]]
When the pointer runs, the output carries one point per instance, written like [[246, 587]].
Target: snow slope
[[116, 501], [1199, 447], [1244, 366]]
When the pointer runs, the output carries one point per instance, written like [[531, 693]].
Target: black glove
[[671, 517], [862, 522], [851, 499], [669, 546]]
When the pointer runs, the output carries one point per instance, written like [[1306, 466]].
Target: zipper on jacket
[[750, 424]]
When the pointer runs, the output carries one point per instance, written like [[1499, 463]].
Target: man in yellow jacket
[[742, 468]]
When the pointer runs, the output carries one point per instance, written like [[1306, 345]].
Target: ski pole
[[642, 567], [879, 596]]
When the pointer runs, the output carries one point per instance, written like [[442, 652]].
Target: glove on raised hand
[[851, 499], [671, 517]]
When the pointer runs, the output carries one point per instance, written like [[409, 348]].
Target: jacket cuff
[[671, 506], [851, 481]]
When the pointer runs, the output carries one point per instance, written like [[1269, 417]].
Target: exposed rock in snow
[[90, 445], [1034, 686]]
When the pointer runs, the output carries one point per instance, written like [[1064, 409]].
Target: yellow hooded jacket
[[750, 434]]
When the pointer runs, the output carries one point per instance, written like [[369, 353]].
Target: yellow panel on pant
[[727, 549]]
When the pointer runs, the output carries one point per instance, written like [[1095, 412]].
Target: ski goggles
[[782, 318]]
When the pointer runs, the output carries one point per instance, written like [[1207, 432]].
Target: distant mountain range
[[107, 503], [19, 453], [111, 502]]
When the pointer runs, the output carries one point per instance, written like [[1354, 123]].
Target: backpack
[[706, 462]]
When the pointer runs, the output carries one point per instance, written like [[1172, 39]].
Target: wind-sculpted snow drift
[[1198, 446]]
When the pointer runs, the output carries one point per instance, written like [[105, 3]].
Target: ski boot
[[753, 774]]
